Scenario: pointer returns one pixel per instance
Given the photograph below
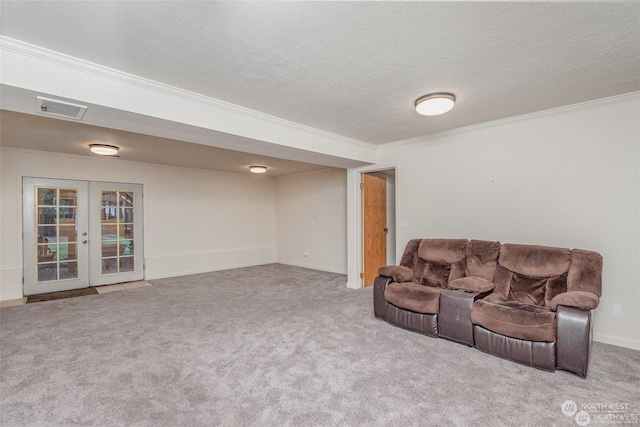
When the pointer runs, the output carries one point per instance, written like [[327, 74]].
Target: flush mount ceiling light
[[104, 149], [435, 103], [258, 169]]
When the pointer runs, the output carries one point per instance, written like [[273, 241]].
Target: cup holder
[[466, 291]]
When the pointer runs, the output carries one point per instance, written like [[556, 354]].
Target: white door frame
[[354, 221]]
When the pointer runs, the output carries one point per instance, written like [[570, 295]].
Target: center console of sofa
[[455, 315]]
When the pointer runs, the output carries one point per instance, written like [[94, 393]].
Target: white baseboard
[[12, 302], [166, 266], [196, 263], [617, 341], [205, 270], [313, 267]]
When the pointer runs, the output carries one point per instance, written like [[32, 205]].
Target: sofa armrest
[[398, 273], [379, 303], [573, 339], [578, 299], [472, 283]]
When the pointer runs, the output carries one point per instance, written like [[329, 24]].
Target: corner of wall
[[10, 284]]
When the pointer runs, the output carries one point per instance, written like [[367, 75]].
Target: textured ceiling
[[355, 68]]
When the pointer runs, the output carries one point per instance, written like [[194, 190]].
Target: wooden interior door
[[374, 226]]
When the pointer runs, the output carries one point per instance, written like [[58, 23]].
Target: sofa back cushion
[[442, 261], [527, 274], [532, 274], [411, 260], [535, 261], [482, 258]]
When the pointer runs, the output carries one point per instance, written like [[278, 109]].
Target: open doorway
[[378, 222]]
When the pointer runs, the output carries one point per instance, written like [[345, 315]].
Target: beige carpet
[[270, 346]]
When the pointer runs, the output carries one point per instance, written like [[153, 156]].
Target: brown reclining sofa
[[530, 304]]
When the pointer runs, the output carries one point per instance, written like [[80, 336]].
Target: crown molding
[[44, 54], [514, 119]]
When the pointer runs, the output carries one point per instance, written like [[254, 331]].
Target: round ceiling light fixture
[[258, 169], [104, 149], [435, 104]]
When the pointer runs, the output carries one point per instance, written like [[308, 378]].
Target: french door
[[79, 234]]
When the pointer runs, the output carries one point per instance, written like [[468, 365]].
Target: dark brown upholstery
[[408, 295], [482, 257], [585, 273], [426, 324], [578, 299], [573, 340], [398, 273], [454, 319], [380, 305], [541, 355], [443, 251], [515, 319], [540, 302], [472, 283], [534, 261], [411, 260], [444, 260], [436, 275], [413, 297], [427, 266], [525, 272]]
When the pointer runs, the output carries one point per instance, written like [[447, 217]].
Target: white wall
[[194, 220], [566, 177], [311, 219]]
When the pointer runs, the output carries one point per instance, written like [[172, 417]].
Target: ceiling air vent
[[54, 107]]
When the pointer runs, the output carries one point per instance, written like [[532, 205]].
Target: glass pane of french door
[[117, 234], [79, 234], [54, 221]]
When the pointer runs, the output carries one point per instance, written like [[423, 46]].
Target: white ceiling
[[355, 68], [33, 132]]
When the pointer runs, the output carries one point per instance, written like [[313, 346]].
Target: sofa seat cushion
[[515, 319], [414, 297]]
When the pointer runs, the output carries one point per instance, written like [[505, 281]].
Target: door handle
[[386, 230], [84, 241], [84, 234]]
